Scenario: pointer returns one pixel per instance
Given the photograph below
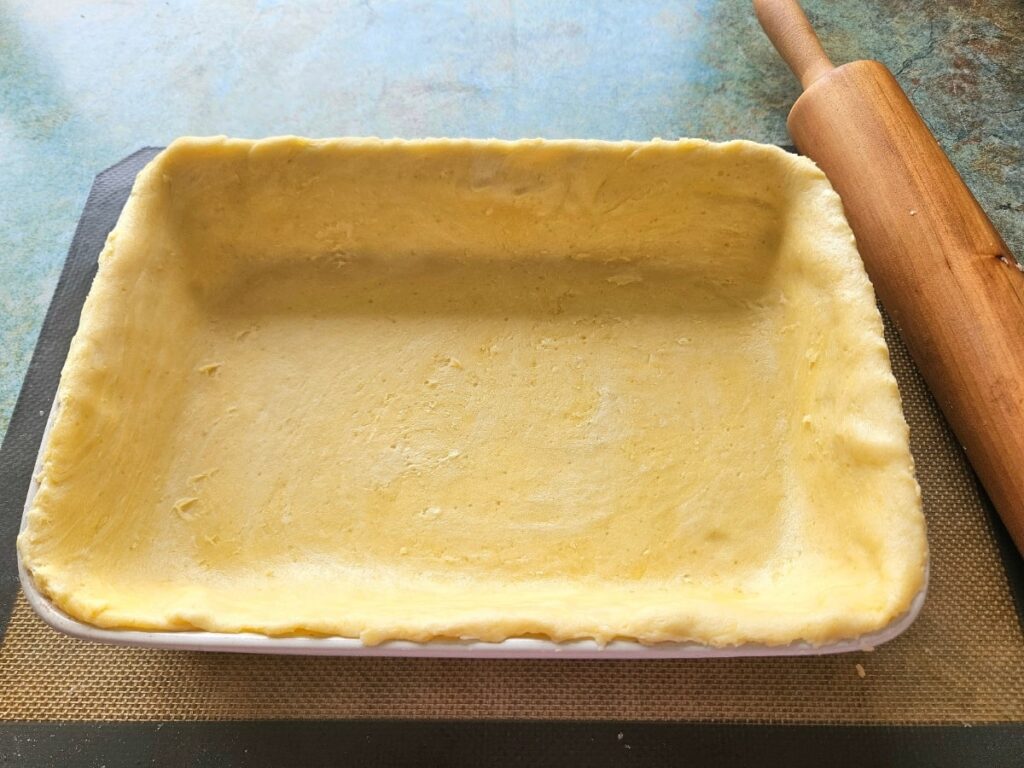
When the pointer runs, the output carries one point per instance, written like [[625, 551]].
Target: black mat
[[395, 742]]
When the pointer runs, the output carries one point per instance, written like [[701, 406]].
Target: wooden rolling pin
[[941, 270]]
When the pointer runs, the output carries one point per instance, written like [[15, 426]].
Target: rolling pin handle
[[793, 37]]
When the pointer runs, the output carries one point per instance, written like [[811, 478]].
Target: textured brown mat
[[961, 662]]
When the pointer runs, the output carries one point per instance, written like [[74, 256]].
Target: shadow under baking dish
[[521, 389]]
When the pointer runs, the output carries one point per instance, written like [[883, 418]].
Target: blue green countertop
[[83, 84]]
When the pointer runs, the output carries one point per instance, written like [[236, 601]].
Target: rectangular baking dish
[[509, 177]]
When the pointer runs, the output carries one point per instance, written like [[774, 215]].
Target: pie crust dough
[[480, 389]]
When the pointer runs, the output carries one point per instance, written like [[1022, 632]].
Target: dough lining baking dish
[[480, 389]]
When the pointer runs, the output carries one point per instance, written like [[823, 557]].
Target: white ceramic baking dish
[[513, 648]]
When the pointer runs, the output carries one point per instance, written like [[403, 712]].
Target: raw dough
[[480, 389]]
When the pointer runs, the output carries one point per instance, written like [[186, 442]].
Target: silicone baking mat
[[961, 663]]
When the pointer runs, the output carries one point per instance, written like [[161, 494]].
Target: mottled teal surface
[[84, 83]]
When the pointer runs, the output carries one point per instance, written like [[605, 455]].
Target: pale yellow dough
[[480, 389]]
